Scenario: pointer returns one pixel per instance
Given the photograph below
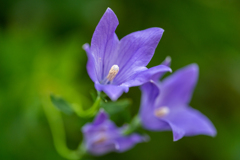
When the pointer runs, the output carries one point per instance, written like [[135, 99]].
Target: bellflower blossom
[[165, 105], [115, 65], [102, 136]]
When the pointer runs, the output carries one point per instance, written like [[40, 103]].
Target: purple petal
[[177, 89], [91, 63], [126, 143], [150, 92], [104, 42], [100, 120], [101, 117], [99, 136], [189, 122], [145, 76], [135, 52], [158, 76], [113, 91], [103, 148]]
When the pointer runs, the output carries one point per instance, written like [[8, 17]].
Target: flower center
[[102, 139], [161, 112], [112, 73]]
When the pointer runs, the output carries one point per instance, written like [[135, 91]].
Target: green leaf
[[61, 104], [116, 107]]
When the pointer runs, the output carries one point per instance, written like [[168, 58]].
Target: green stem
[[57, 128], [89, 112], [59, 138]]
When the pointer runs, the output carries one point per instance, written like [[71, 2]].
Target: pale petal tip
[[114, 97], [168, 69], [110, 17], [102, 111], [213, 132], [85, 46], [158, 31], [109, 9], [177, 137], [162, 30], [194, 67], [168, 59]]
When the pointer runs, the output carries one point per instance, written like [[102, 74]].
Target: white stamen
[[113, 72], [162, 111]]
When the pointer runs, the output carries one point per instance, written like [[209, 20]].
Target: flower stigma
[[161, 112], [112, 73]]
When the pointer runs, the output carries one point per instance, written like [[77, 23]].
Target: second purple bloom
[[165, 105], [103, 136]]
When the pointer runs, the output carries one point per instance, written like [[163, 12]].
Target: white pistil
[[161, 112], [112, 73]]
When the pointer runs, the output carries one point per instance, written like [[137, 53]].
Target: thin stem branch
[[57, 128], [89, 112]]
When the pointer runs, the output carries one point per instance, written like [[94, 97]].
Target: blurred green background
[[41, 53]]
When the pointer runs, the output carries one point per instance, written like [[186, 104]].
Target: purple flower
[[102, 136], [165, 105], [115, 65]]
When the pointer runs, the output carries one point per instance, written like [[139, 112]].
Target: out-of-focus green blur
[[41, 53]]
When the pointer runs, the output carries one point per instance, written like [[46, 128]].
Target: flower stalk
[[57, 128], [89, 112]]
